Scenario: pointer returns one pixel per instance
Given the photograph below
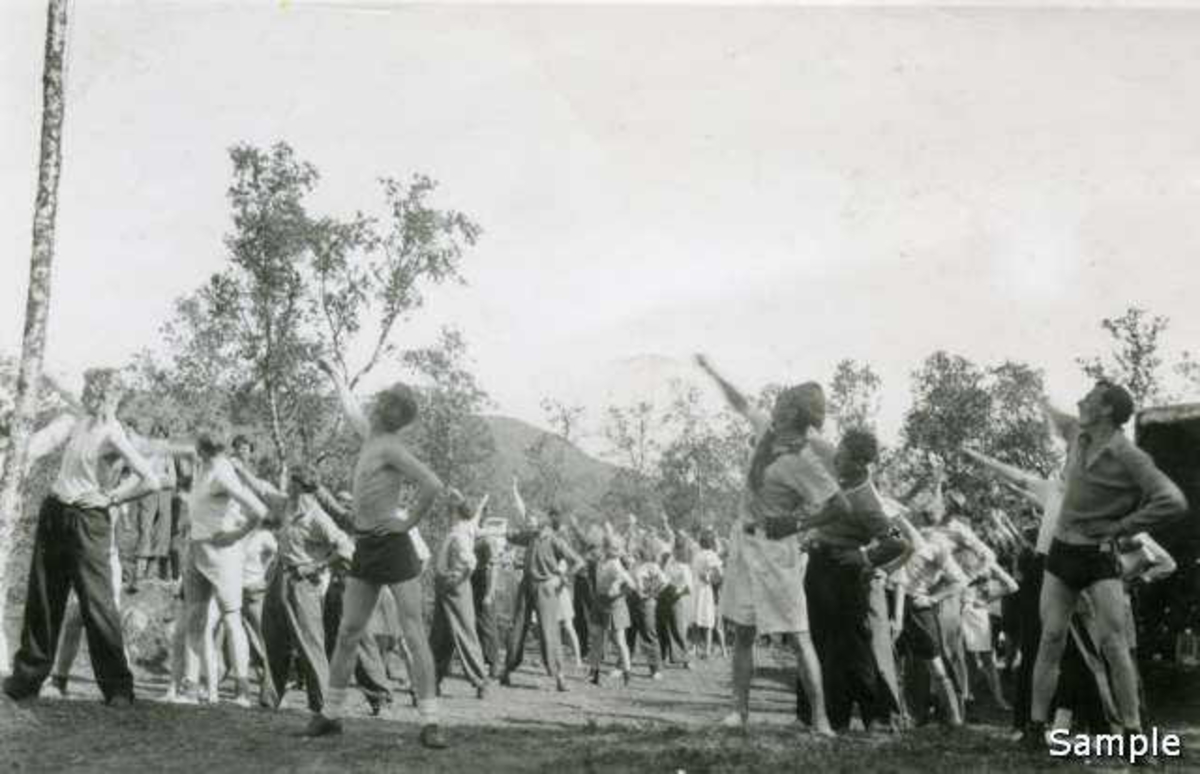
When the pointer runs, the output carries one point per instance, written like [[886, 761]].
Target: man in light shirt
[[454, 602]]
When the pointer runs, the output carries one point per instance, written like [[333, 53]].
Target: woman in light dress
[[763, 592]]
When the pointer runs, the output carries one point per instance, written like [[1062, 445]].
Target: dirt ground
[[667, 726]]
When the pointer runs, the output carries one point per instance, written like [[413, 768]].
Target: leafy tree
[[854, 395], [699, 472], [631, 432], [242, 346], [550, 485], [1136, 359]]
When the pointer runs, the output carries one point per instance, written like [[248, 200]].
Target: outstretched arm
[[519, 501], [737, 401], [350, 405], [1066, 425], [266, 491], [50, 437], [1010, 473]]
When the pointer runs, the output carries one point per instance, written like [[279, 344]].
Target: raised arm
[[1066, 425], [736, 400], [50, 437], [1010, 473], [519, 501], [350, 405], [477, 518]]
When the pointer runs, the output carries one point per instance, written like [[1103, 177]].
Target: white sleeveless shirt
[[210, 506], [79, 473]]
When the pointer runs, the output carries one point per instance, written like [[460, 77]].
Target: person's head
[[796, 410], [242, 447], [612, 546], [708, 540], [212, 441], [103, 390], [159, 430], [1107, 403], [393, 409], [554, 517], [302, 478], [855, 453]]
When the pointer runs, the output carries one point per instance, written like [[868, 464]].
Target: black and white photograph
[[603, 387]]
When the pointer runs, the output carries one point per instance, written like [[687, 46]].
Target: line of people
[[880, 598]]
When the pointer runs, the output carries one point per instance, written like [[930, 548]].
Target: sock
[[427, 710], [335, 704]]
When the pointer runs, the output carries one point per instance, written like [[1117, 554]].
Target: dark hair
[[708, 540], [303, 475], [211, 441], [791, 417], [241, 440], [160, 430], [1118, 399], [394, 408], [861, 445]]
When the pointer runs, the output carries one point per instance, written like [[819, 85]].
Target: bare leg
[[743, 669], [412, 624], [809, 667], [1057, 604], [358, 602], [1109, 599], [573, 639], [708, 635], [987, 664], [946, 691]]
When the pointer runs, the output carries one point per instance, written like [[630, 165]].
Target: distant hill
[[589, 477]]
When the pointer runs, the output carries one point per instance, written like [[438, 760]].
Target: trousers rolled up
[[543, 597], [71, 550], [453, 631], [838, 610]]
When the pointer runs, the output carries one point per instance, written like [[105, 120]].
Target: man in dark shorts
[[384, 554], [1113, 491]]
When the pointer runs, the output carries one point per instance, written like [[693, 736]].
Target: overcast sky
[[778, 186]]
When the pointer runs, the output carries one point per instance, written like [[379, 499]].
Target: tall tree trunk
[[277, 434], [37, 305]]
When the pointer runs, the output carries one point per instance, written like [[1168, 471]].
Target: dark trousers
[[71, 550], [643, 619], [370, 674], [1029, 603], [454, 630], [838, 609], [487, 629], [672, 625], [293, 626], [1077, 689], [542, 596]]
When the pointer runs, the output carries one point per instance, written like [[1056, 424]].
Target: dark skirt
[[385, 560]]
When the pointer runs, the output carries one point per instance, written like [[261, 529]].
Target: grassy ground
[[650, 726]]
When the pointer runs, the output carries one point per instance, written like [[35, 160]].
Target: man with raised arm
[[384, 554], [1113, 490], [545, 548]]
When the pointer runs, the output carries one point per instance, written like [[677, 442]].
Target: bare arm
[[519, 501], [145, 479], [350, 405], [1066, 425], [736, 400], [429, 486], [1022, 478], [264, 490], [50, 437]]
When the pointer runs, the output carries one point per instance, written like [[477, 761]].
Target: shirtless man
[[384, 555]]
